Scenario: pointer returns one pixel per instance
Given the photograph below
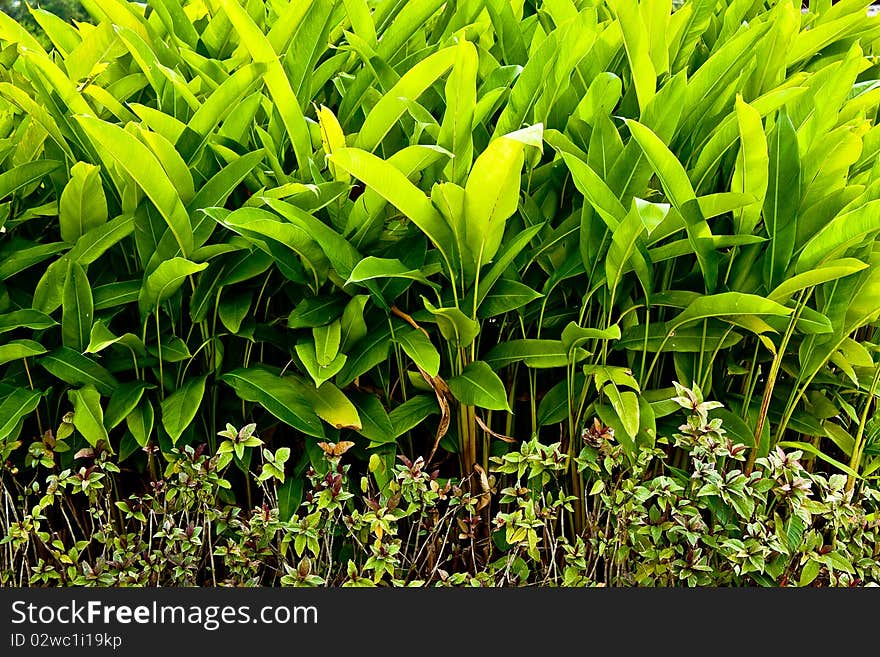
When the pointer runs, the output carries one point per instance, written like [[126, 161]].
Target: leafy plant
[[438, 230]]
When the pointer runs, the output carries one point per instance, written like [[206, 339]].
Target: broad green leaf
[[18, 404], [637, 44], [534, 353], [165, 281], [136, 159], [478, 385], [315, 311], [679, 191], [394, 187], [281, 396], [411, 86], [491, 194], [412, 412], [455, 326], [18, 349], [506, 295], [232, 311], [508, 253], [456, 131], [727, 304], [77, 309], [23, 257], [320, 372], [595, 191], [574, 336], [366, 353], [123, 402], [330, 404], [352, 323], [88, 417], [83, 205], [844, 231], [332, 139], [418, 346], [685, 339], [25, 174], [751, 173], [626, 405], [78, 370], [829, 271], [371, 268], [140, 422], [180, 408], [29, 318], [377, 426], [286, 102], [95, 243], [783, 198]]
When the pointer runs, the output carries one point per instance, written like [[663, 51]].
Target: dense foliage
[[484, 236]]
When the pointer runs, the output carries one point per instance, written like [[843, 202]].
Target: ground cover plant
[[424, 292]]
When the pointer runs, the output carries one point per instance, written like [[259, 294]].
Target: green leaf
[[77, 370], [78, 309], [371, 268], [93, 244], [727, 305], [330, 404], [534, 353], [320, 373], [23, 257], [377, 426], [25, 174], [783, 199], [412, 412], [637, 45], [679, 191], [456, 131], [626, 405], [232, 311], [829, 271], [180, 408], [491, 193], [418, 346], [315, 311], [454, 325], [281, 396], [19, 403], [751, 173], [574, 335], [285, 101], [140, 163], [18, 349], [506, 295], [83, 205], [392, 185], [478, 385], [353, 325], [844, 231], [29, 318], [366, 353], [88, 418], [165, 281], [123, 401], [140, 422], [391, 106]]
